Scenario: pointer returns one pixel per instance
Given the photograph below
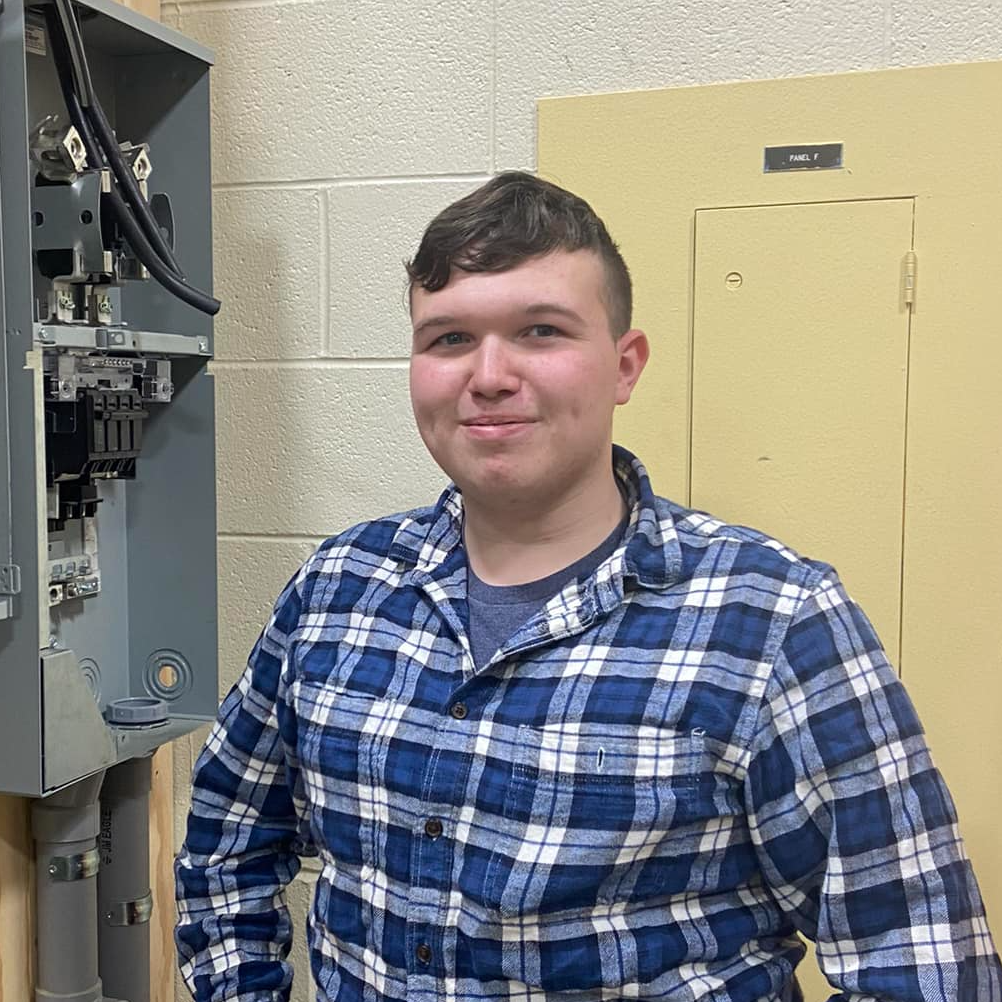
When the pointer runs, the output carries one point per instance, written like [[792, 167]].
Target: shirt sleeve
[[246, 830], [854, 827]]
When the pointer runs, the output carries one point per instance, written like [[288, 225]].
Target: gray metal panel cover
[[20, 708]]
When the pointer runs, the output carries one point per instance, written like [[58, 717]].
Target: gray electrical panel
[[107, 482]]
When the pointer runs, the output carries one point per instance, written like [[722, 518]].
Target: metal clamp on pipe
[[77, 867], [130, 912]]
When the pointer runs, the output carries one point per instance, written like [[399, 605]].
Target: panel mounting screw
[[734, 280]]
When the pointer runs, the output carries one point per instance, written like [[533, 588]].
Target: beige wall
[[339, 129]]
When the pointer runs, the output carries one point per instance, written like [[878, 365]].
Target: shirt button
[[433, 828], [458, 710], [423, 953]]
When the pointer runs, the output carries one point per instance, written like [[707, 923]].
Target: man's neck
[[509, 545]]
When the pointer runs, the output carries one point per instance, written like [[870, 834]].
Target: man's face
[[514, 377]]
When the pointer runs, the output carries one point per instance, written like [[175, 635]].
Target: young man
[[556, 737]]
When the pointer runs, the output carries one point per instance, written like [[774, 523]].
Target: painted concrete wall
[[339, 129]]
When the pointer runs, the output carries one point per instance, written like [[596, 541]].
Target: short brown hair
[[514, 217]]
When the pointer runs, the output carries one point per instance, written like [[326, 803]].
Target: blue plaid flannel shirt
[[660, 778]]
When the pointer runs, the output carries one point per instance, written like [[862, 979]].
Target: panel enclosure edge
[[20, 710]]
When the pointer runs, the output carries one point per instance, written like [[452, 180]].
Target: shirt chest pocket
[[343, 742], [595, 815]]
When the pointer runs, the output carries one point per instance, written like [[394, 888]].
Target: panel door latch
[[10, 579]]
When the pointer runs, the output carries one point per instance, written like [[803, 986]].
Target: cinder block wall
[[339, 129]]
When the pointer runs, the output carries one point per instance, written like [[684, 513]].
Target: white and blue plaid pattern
[[662, 777]]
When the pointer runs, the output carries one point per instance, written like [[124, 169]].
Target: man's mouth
[[494, 420], [497, 427]]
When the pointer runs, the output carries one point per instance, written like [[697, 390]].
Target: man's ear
[[634, 350]]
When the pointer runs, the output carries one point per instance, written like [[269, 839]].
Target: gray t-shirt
[[497, 611]]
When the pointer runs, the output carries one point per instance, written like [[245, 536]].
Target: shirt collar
[[652, 555]]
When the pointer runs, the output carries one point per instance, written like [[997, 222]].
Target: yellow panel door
[[799, 384], [799, 392]]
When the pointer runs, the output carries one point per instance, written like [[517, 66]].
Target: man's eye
[[452, 338], [543, 330]]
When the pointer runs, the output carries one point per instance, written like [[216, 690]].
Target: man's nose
[[494, 369]]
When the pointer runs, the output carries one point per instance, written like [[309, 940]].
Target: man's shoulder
[[676, 544], [344, 566], [707, 540], [377, 538]]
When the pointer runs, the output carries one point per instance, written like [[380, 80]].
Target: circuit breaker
[[107, 528]]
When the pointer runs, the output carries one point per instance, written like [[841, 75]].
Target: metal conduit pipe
[[123, 884], [65, 826]]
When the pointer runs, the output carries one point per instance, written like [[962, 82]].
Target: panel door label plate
[[824, 156]]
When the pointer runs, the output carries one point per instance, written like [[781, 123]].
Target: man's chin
[[498, 485]]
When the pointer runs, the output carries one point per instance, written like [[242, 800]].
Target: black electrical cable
[[127, 181], [123, 216], [70, 31], [106, 137], [141, 246], [156, 267], [137, 239], [63, 62]]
